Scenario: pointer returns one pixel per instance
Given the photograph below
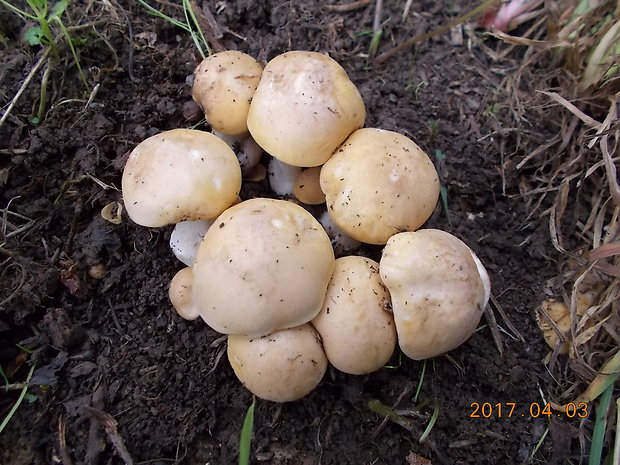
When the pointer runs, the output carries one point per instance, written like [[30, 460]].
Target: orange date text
[[532, 410]]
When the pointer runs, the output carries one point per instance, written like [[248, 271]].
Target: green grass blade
[[600, 427], [159, 14], [16, 10], [188, 9], [73, 51], [432, 421], [420, 382], [617, 441], [245, 439], [538, 444], [607, 376], [3, 375], [18, 403]]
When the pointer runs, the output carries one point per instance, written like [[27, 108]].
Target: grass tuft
[[19, 401], [245, 439]]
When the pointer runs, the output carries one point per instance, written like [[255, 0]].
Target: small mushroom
[[224, 84], [180, 294], [282, 366], [180, 175], [304, 107], [263, 265], [379, 183], [308, 188], [439, 290], [355, 322]]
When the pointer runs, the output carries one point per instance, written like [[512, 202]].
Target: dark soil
[[113, 348]]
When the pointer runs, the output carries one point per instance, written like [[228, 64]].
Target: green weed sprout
[[245, 439], [191, 25], [42, 34], [19, 401]]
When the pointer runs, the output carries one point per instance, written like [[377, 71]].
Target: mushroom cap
[[224, 84], [263, 265], [355, 323], [180, 175], [304, 107], [438, 293], [379, 183], [282, 366], [308, 187], [180, 294]]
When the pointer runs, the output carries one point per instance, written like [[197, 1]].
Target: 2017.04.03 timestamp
[[533, 410]]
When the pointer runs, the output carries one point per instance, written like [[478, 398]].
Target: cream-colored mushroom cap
[[282, 366], [304, 107], [224, 84], [180, 294], [438, 291], [180, 175], [355, 322], [379, 183], [263, 265], [308, 187]]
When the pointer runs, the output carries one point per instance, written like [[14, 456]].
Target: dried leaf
[[553, 318], [415, 459], [112, 212], [70, 279]]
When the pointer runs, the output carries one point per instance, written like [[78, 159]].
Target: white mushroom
[[224, 84], [379, 183], [180, 175], [438, 290], [308, 187], [263, 265], [304, 107], [180, 294], [282, 366], [355, 322]]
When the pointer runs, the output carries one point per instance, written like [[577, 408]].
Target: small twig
[[109, 425], [62, 442], [377, 30], [22, 281], [406, 10], [214, 27], [348, 6], [497, 338], [22, 88], [511, 327], [388, 413], [572, 108], [440, 30]]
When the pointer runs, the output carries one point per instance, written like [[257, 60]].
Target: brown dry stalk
[[348, 6], [440, 30]]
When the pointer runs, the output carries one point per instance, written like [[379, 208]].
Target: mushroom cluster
[[264, 270]]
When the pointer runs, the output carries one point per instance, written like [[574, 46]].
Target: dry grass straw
[[569, 78]]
